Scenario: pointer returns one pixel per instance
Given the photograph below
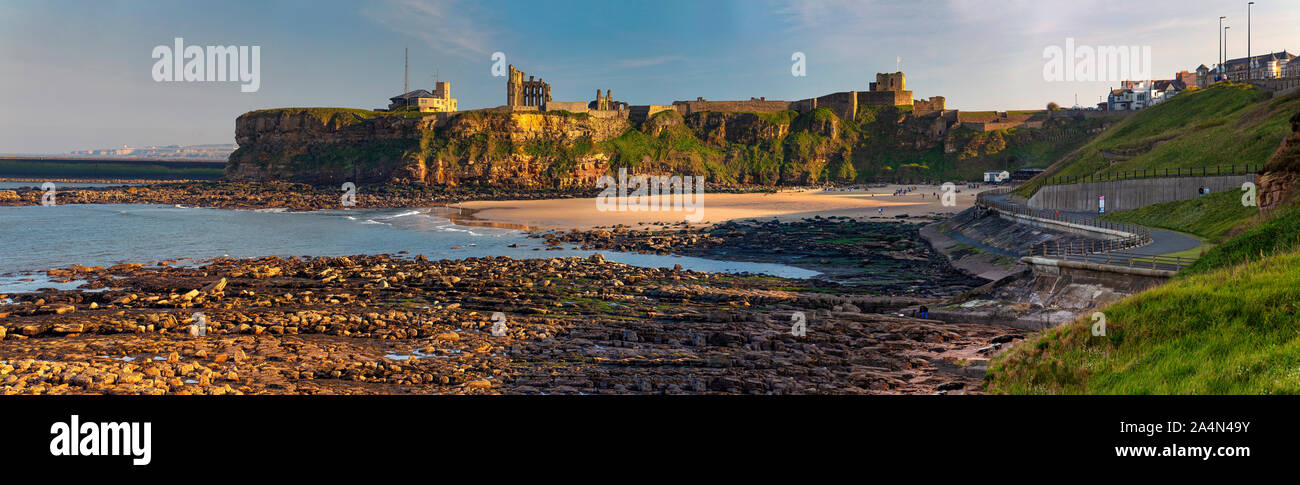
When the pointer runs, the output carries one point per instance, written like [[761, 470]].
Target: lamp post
[[1225, 48], [1220, 66], [1250, 60]]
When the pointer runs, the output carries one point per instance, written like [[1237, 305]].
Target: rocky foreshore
[[278, 195], [857, 255], [399, 324], [294, 196]]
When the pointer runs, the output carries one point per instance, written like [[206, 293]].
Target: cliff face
[[322, 146], [716, 128], [560, 149], [1278, 183], [518, 149]]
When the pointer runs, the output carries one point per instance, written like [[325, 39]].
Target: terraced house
[[1266, 66]]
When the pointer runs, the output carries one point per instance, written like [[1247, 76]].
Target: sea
[[36, 238]]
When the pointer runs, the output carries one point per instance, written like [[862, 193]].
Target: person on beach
[[924, 313]]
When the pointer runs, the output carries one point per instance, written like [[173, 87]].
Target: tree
[[1052, 106]]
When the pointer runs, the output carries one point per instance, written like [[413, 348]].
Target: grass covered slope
[[1234, 330], [1229, 324], [1225, 124], [1278, 235], [1211, 217]]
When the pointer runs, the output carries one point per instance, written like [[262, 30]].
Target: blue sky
[[76, 75]]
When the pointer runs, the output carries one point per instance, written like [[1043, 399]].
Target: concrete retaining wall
[[1090, 231], [1057, 267], [1131, 194]]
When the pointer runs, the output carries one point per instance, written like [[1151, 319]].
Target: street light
[[1249, 60], [1226, 57], [1220, 66]]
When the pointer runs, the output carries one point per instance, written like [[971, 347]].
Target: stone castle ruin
[[889, 89], [535, 93], [606, 102]]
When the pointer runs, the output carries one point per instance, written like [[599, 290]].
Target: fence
[[1084, 252], [1159, 172], [1101, 251]]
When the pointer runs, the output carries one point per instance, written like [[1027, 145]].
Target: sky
[[77, 75]]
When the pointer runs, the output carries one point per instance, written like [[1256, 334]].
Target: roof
[[419, 93], [1166, 84], [1272, 56]]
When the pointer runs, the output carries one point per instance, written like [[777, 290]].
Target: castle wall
[[884, 98], [570, 106], [644, 112], [608, 114], [845, 104], [935, 103], [753, 106], [891, 81]]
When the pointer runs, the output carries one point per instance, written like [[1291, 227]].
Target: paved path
[[1162, 242]]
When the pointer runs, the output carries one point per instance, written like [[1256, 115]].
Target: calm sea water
[[36, 238]]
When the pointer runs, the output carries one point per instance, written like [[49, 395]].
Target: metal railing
[[1214, 171], [1081, 251], [1137, 235], [1101, 251]]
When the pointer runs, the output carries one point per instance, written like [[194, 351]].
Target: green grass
[[1211, 217], [1232, 330], [340, 116], [1227, 324], [1225, 124], [673, 151], [1280, 234]]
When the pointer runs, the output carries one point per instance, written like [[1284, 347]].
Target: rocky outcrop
[[1278, 183], [323, 145], [715, 128], [562, 150], [518, 149], [330, 146]]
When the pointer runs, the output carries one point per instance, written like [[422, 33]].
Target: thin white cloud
[[451, 26], [646, 61]]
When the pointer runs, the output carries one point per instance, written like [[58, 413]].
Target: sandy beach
[[583, 213]]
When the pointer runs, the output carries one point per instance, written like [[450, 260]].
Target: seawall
[[1131, 194]]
